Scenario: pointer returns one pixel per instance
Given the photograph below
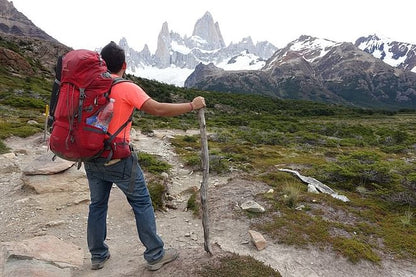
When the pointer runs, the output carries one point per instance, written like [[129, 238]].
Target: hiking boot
[[95, 264], [171, 254]]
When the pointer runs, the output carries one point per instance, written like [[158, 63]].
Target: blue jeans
[[100, 179]]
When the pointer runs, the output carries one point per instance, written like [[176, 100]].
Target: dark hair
[[113, 56]]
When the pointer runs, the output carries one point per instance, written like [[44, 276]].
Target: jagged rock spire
[[209, 31], [163, 46]]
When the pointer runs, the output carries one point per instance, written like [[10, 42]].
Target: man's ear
[[124, 66]]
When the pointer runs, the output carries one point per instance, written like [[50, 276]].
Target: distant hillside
[[317, 70], [28, 42]]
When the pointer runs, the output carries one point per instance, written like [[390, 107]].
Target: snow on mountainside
[[397, 54], [176, 56], [309, 48], [243, 61], [176, 76]]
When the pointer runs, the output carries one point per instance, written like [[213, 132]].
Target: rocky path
[[43, 223]]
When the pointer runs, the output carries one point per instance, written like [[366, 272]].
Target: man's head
[[113, 56]]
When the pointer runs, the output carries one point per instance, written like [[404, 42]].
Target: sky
[[91, 24]]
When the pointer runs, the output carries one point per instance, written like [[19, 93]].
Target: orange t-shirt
[[127, 96]]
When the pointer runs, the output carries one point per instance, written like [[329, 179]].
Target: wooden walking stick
[[204, 183]]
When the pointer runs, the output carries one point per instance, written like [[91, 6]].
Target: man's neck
[[120, 73]]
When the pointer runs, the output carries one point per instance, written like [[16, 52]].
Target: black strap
[[80, 103], [113, 136], [133, 170]]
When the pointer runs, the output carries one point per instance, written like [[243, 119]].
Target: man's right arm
[[153, 107]]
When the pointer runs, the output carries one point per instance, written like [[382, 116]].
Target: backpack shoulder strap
[[113, 136], [115, 82], [118, 80]]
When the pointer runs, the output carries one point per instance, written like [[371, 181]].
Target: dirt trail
[[25, 214]]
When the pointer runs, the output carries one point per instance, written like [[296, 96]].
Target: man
[[102, 174]]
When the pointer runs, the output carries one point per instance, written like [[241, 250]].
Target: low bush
[[152, 164]]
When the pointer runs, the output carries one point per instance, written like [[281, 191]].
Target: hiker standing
[[102, 174]]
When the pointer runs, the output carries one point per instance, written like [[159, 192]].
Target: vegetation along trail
[[63, 214]]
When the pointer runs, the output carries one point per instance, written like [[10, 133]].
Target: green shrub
[[193, 161], [24, 102], [291, 195], [361, 168], [355, 250], [152, 164], [3, 148], [407, 218], [190, 138], [157, 191], [219, 164], [193, 204], [278, 179], [18, 129], [235, 265]]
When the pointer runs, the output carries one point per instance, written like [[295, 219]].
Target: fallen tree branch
[[316, 184]]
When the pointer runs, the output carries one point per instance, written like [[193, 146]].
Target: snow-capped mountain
[[320, 70], [176, 56], [397, 54], [309, 48]]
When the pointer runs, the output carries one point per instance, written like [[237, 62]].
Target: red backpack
[[84, 89]]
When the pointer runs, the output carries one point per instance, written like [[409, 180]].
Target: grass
[[407, 218], [291, 195], [194, 204], [154, 167], [152, 163], [236, 265], [355, 250], [157, 191]]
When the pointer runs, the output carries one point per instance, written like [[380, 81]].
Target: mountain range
[[179, 55], [321, 70], [372, 72]]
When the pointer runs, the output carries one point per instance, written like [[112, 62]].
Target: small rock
[[32, 122], [252, 206], [257, 239], [300, 207], [9, 156], [23, 200], [55, 223], [20, 152]]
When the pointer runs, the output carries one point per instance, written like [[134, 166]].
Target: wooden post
[[46, 122], [204, 184]]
